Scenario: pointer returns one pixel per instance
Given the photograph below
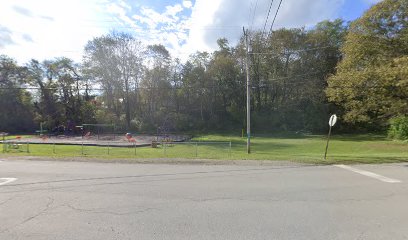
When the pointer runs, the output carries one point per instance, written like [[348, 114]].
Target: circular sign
[[332, 120]]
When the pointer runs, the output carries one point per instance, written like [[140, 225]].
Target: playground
[[103, 140], [93, 135], [90, 135], [119, 140]]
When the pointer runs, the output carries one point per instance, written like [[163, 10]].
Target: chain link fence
[[163, 149]]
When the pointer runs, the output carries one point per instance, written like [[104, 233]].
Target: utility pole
[[248, 108]]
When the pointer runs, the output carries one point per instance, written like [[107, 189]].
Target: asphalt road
[[78, 200]]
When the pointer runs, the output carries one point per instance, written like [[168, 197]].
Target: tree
[[15, 103], [228, 82], [289, 70], [115, 62], [156, 86], [371, 80]]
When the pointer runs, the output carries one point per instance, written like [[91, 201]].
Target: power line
[[253, 16], [250, 13], [270, 31], [148, 88], [104, 89], [291, 52], [260, 85], [253, 53], [294, 76], [267, 17]]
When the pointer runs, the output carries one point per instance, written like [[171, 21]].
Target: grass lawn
[[308, 149]]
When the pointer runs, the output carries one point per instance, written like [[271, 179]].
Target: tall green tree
[[371, 81], [156, 86], [114, 62], [15, 102], [289, 70]]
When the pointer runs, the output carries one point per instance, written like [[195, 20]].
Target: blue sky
[[45, 29]]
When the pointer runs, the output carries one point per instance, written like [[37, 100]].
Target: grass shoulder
[[345, 149]]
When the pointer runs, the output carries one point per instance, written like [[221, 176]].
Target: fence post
[[4, 143], [135, 149], [108, 148], [28, 147], [196, 149], [82, 148], [165, 150], [229, 153]]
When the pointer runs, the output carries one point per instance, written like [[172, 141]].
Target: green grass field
[[308, 149]]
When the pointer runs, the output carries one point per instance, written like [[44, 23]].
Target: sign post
[[332, 121]]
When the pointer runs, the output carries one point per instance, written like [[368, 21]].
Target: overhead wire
[[276, 14], [290, 52], [267, 18], [250, 14], [253, 16]]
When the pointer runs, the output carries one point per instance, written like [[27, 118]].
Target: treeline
[[293, 81]]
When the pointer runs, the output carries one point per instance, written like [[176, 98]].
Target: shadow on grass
[[281, 135], [360, 137], [288, 135], [262, 146], [293, 135]]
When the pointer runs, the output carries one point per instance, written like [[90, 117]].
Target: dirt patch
[[100, 140]]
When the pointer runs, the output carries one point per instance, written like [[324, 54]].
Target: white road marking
[[369, 174], [4, 181]]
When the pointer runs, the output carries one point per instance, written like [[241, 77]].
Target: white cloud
[[208, 22], [199, 25], [47, 29], [225, 18], [231, 15], [173, 10], [5, 37], [187, 4], [168, 27]]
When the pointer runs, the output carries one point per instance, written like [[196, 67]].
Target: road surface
[[82, 200]]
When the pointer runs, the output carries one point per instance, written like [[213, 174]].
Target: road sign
[[332, 120]]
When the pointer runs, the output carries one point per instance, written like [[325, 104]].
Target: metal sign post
[[332, 121]]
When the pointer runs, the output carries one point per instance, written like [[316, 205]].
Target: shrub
[[398, 128]]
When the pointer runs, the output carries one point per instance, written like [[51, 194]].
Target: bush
[[398, 128]]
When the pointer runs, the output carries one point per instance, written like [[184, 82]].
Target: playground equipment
[[14, 145], [41, 132], [163, 131], [99, 131], [130, 138]]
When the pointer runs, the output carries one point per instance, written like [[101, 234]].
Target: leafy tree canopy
[[371, 82]]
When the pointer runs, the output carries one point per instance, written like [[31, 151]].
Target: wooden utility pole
[[248, 93]]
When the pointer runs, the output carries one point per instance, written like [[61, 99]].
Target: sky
[[46, 29]]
